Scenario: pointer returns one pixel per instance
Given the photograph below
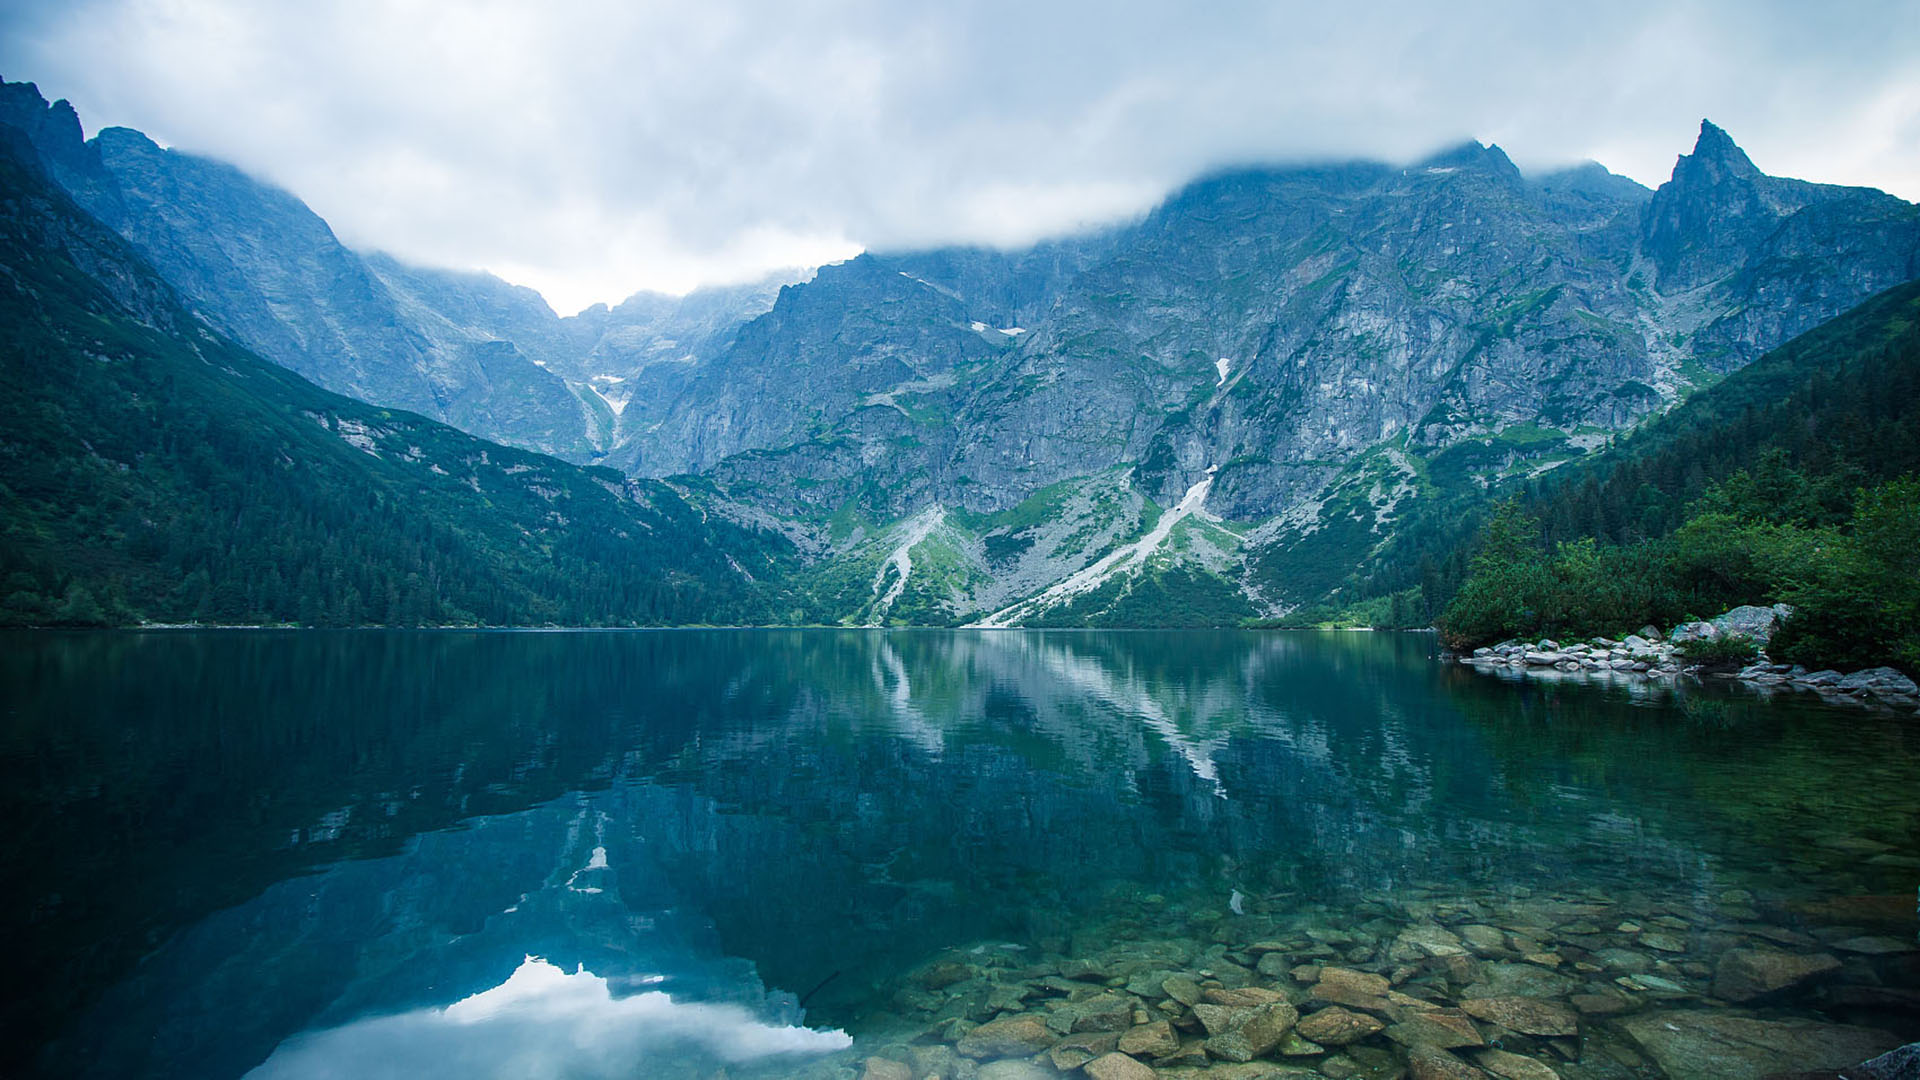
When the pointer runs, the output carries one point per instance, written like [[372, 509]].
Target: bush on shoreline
[[1855, 588]]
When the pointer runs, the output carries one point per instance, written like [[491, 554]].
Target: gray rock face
[[1758, 623]]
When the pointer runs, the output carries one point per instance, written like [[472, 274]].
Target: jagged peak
[[1716, 157], [54, 129]]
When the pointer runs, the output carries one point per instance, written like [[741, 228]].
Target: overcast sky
[[591, 149]]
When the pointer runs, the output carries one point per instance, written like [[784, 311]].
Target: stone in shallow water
[[1746, 974], [1875, 946], [1510, 1066], [1356, 989], [1335, 1026], [1009, 1036], [1253, 1070], [1626, 960], [1427, 1063], [1529, 1016], [1426, 940], [1220, 1019], [1295, 1046], [1076, 1050], [1248, 997], [883, 1069], [1118, 1066], [1255, 1034], [1725, 1046], [1652, 984], [1483, 939], [1182, 989], [1444, 1029], [1672, 943], [1600, 1004], [1901, 1064], [1102, 1012], [1150, 1040], [1083, 969], [1520, 980], [1013, 1070]]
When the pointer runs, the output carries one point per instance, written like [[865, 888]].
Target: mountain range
[[1228, 408]]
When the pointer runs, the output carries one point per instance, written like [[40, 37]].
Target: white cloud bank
[[542, 1022], [600, 146]]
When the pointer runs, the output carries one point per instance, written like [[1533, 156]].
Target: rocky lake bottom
[[993, 855]]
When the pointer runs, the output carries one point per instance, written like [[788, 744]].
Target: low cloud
[[593, 148]]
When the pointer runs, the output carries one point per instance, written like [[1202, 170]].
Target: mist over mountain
[[1250, 389]]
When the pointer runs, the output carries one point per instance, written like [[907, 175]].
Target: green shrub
[[1733, 650], [1862, 606]]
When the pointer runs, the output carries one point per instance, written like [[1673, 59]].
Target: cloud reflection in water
[[543, 1022]]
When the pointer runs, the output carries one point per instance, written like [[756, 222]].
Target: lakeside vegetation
[[1791, 481]]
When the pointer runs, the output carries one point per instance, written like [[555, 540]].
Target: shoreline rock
[[1646, 654]]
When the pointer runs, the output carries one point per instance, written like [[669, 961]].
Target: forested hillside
[[1792, 481], [151, 470]]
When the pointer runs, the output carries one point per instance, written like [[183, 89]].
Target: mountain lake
[[890, 855]]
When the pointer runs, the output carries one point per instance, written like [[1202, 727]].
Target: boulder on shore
[[1748, 620]]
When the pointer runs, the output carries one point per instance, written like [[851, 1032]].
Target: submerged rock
[[1335, 1026], [1527, 1015], [1427, 1063], [1074, 1051], [1726, 1046], [1150, 1040], [1746, 974], [1901, 1064], [1009, 1036], [878, 1068], [1355, 989], [1444, 1029], [1013, 1070], [1256, 1032], [1510, 1066], [1118, 1066]]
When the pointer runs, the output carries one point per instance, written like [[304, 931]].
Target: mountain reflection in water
[[305, 852]]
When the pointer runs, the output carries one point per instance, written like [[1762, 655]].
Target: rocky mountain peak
[[1716, 158], [1701, 224], [1475, 157], [53, 129]]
